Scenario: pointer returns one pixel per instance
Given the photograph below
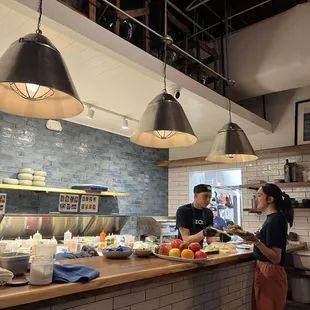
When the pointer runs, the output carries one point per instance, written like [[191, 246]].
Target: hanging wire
[[165, 68], [40, 16]]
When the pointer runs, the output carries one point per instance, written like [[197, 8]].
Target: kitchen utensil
[[301, 260], [219, 231], [16, 263]]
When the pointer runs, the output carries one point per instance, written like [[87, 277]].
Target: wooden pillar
[[92, 10]]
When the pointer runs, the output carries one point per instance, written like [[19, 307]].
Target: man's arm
[[185, 233]]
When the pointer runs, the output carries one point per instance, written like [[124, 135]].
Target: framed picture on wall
[[302, 122]]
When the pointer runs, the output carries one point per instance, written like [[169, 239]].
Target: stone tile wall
[[82, 154]]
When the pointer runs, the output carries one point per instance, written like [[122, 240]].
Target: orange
[[186, 253]]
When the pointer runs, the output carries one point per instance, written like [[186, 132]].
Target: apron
[[204, 225], [270, 287]]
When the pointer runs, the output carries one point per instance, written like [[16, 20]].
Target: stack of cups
[[41, 271]]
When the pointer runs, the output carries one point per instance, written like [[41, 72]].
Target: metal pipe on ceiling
[[230, 17], [191, 20], [190, 7], [160, 36]]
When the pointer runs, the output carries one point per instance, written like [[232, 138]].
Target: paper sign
[[68, 203], [89, 204]]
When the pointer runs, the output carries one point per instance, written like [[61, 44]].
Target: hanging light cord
[[165, 68], [39, 31]]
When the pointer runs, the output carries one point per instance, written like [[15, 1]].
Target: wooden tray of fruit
[[179, 251]]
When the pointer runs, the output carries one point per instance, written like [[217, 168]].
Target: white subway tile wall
[[224, 287], [263, 169]]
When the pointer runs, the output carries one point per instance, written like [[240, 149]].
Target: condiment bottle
[[37, 237], [53, 240], [67, 235], [102, 236]]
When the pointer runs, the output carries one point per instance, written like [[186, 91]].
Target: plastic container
[[37, 237], [67, 235], [2, 247], [41, 271], [45, 249], [301, 289], [16, 263], [301, 260], [72, 245]]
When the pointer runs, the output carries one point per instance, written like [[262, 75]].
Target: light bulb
[[32, 88], [164, 134], [230, 155], [31, 91]]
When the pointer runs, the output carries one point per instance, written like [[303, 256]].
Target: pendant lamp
[[34, 79], [164, 123], [231, 145]]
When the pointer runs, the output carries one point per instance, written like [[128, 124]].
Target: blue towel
[[74, 273], [118, 249], [63, 256]]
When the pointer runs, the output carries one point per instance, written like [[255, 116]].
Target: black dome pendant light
[[231, 145], [34, 79], [164, 123]]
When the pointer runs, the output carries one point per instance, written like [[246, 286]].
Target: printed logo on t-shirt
[[198, 222]]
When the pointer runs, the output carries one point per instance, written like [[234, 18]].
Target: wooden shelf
[[259, 211], [61, 190], [279, 151], [281, 185]]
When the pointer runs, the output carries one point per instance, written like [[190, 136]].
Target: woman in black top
[[270, 281]]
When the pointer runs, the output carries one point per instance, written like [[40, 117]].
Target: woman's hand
[[249, 237]]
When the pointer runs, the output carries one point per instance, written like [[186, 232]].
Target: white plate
[[182, 260]]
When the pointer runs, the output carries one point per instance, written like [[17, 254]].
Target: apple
[[176, 243], [183, 246], [175, 252], [164, 249], [200, 255], [195, 246]]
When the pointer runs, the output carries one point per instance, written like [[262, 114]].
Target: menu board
[[2, 203], [89, 204], [68, 203]]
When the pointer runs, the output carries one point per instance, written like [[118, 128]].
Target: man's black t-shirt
[[193, 219], [273, 234]]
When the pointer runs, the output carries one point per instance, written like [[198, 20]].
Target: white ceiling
[[124, 81]]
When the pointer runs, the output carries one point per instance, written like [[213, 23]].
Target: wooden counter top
[[114, 272]]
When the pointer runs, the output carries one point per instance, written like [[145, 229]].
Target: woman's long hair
[[282, 201]]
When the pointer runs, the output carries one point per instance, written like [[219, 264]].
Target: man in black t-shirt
[[193, 219]]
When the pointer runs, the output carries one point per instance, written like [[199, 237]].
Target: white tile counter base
[[222, 288]]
